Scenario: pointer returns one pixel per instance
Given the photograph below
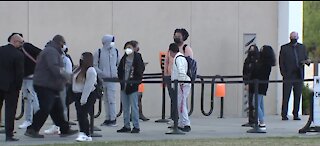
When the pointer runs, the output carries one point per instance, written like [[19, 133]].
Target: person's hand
[[83, 101]]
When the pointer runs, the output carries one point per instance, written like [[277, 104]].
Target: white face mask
[[64, 48], [112, 44], [128, 51]]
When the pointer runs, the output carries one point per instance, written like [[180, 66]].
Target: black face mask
[[177, 40], [293, 41]]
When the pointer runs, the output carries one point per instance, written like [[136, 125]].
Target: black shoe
[[285, 118], [11, 139], [185, 128], [124, 129], [135, 130], [70, 132], [112, 123], [296, 118], [105, 123], [143, 118], [248, 125], [32, 133]]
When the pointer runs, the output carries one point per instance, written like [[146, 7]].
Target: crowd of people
[[47, 76]]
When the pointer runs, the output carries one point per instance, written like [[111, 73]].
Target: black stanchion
[[221, 107], [192, 99], [163, 120], [120, 111], [202, 97], [99, 110], [256, 128], [174, 99], [22, 110]]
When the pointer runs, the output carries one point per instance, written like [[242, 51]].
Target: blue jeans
[[128, 101], [260, 108]]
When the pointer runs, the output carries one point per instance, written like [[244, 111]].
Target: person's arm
[[182, 64], [19, 68], [53, 63], [282, 62], [95, 63], [188, 52], [91, 79]]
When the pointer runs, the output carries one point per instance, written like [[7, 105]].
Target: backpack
[[192, 65]]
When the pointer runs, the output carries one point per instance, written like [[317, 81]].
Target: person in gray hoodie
[[105, 61], [48, 80]]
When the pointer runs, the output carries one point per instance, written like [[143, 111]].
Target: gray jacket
[[49, 69], [107, 65]]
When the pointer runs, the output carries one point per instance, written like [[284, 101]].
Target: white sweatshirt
[[179, 68], [88, 86]]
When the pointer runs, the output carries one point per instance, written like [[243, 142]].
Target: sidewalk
[[201, 127]]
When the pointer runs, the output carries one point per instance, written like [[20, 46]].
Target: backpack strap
[[99, 58], [184, 48], [177, 57], [28, 55]]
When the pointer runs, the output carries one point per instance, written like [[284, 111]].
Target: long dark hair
[[267, 56], [86, 61]]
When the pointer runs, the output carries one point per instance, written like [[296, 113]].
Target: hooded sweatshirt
[[106, 66], [49, 70]]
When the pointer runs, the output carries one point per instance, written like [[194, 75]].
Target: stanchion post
[[221, 107], [174, 99], [92, 127], [221, 93], [163, 120], [256, 128]]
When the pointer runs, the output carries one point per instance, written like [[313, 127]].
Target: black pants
[[251, 108], [83, 111], [11, 100], [297, 91], [50, 104]]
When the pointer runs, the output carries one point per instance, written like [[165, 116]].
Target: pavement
[[202, 127]]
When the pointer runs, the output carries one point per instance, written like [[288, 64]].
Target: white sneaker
[[24, 125], [52, 130], [83, 137]]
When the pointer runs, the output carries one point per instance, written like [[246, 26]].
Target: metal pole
[[163, 120], [221, 107]]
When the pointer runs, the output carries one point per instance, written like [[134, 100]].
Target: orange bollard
[[141, 88], [221, 92]]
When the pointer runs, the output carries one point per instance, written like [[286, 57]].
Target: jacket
[[11, 68], [137, 69], [179, 68], [29, 65], [49, 70], [106, 67]]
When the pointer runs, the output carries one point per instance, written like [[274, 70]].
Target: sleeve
[[282, 62], [95, 63], [140, 67], [91, 79], [68, 65], [118, 57], [188, 52], [19, 67], [166, 64], [182, 65]]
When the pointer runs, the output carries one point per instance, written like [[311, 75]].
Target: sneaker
[[124, 129], [32, 133], [135, 130], [83, 137], [25, 124], [112, 123], [52, 130], [262, 126], [105, 123], [185, 128], [69, 133], [248, 125]]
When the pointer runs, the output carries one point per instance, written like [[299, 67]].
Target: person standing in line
[[179, 72], [31, 53], [136, 48], [105, 61], [11, 76], [261, 72], [49, 79], [179, 37], [248, 66], [131, 68], [292, 58], [83, 85]]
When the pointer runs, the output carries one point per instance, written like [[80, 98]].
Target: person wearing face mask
[[292, 58], [11, 76], [49, 80], [105, 61], [131, 68], [248, 67], [179, 37]]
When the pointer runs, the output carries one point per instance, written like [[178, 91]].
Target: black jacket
[[11, 68], [287, 62], [137, 68], [30, 65], [248, 68], [261, 72]]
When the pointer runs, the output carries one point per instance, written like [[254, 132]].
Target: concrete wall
[[216, 36]]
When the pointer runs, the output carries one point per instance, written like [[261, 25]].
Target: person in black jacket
[[249, 63], [292, 58], [131, 68], [11, 75], [262, 71]]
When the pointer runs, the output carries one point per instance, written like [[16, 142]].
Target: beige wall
[[216, 34]]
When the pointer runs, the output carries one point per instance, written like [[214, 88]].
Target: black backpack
[[192, 65]]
